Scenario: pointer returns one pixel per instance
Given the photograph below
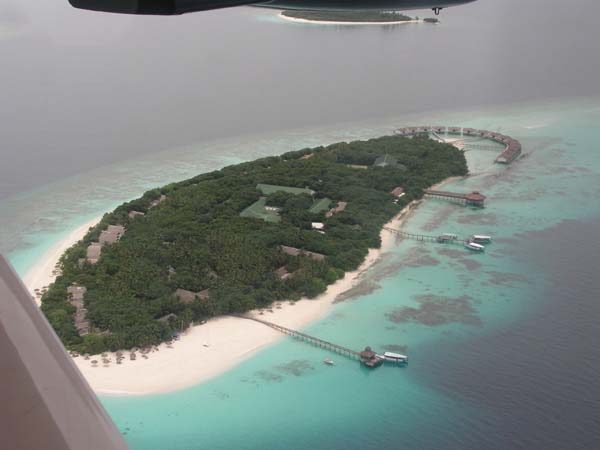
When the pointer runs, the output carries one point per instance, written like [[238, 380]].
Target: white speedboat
[[473, 246], [395, 357], [328, 362]]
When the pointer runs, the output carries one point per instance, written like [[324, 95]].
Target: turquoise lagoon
[[453, 312]]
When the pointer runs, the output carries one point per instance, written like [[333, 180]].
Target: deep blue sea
[[503, 346]]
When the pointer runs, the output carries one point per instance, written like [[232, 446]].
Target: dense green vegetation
[[197, 240], [348, 16]]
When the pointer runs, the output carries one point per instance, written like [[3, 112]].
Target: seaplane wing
[[172, 7]]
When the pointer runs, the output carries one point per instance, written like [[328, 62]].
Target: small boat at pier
[[395, 357], [480, 239], [473, 246]]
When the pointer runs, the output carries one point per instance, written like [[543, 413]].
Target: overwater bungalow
[[369, 358], [475, 198]]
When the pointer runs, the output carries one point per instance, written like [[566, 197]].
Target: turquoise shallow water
[[462, 317]]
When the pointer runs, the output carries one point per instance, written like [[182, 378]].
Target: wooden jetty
[[474, 198], [471, 146], [367, 356], [512, 147], [443, 239]]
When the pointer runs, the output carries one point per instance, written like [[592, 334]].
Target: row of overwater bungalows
[[512, 146]]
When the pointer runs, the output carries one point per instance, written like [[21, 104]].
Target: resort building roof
[[367, 353], [339, 208], [293, 251], [397, 191], [165, 319], [282, 272], [75, 294], [385, 161], [187, 297], [134, 214], [158, 201], [268, 189], [111, 235], [93, 252]]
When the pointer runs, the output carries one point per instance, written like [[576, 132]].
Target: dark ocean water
[[537, 377]]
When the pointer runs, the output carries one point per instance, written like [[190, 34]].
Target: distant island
[[351, 16], [236, 239]]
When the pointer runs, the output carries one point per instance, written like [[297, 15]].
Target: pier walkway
[[471, 199], [474, 146], [425, 238], [306, 338]]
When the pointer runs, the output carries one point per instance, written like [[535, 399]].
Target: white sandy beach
[[327, 22], [204, 351], [41, 274]]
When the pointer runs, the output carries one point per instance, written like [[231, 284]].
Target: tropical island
[[375, 17], [232, 240]]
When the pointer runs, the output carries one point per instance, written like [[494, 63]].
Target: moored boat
[[395, 357], [473, 246], [481, 239]]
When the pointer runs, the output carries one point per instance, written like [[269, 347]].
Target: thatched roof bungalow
[[369, 358], [93, 252], [186, 297], [75, 295], [165, 319], [158, 201], [398, 192], [112, 234], [339, 208], [293, 251], [282, 273], [134, 214]]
